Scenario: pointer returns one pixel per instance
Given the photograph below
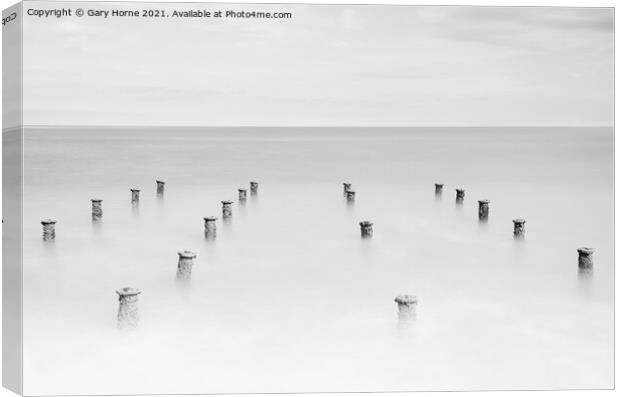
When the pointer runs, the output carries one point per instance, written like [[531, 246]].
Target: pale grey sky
[[327, 66]]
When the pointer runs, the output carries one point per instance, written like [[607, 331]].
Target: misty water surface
[[289, 298]]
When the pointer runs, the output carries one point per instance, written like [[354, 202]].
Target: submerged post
[[135, 196], [438, 189], [128, 307], [97, 211], [226, 209], [483, 210], [160, 187], [253, 188], [49, 229], [350, 196], [460, 196], [184, 268], [346, 186], [210, 230], [406, 306], [366, 229], [586, 263], [519, 228], [243, 195]]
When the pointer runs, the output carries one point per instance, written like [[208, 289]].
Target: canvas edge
[[12, 195]]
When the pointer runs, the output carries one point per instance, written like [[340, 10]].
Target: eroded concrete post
[[438, 189], [366, 229], [186, 262], [97, 210], [519, 228], [243, 195], [210, 230], [128, 315], [253, 188], [226, 209], [346, 186], [49, 229], [135, 196], [483, 210], [460, 196], [586, 262], [350, 196], [406, 306], [160, 188]]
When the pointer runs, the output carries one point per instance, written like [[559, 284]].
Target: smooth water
[[289, 298]]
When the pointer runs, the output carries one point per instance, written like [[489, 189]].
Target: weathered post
[[366, 229], [586, 263], [128, 307], [160, 188], [226, 209], [438, 189], [97, 211], [406, 306], [135, 196], [184, 268], [210, 231], [460, 196], [49, 229], [350, 196], [519, 228], [243, 195], [483, 210], [253, 188], [346, 186]]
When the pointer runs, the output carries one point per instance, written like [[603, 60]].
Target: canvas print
[[278, 198]]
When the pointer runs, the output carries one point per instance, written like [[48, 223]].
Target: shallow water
[[289, 298]]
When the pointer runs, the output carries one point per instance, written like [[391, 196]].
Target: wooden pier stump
[[160, 188], [460, 196], [226, 209], [135, 196], [210, 229], [97, 210], [243, 195], [585, 260], [438, 189], [406, 306], [366, 229], [519, 228], [184, 267], [128, 308], [49, 229], [483, 210]]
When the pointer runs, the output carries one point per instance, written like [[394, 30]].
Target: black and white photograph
[[223, 198]]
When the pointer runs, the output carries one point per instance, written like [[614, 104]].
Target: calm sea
[[289, 298]]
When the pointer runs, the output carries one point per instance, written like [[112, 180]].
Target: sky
[[326, 66]]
